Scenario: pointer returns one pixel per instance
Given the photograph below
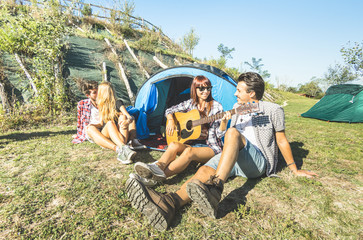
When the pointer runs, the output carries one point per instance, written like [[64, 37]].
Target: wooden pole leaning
[[136, 60], [104, 72], [123, 74], [177, 61], [162, 65], [26, 73]]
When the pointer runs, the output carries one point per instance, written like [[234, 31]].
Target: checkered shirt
[[83, 119], [270, 120], [214, 133]]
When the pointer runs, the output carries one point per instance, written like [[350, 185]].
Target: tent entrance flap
[[171, 91]]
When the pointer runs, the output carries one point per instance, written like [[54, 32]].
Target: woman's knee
[[90, 130], [122, 117], [188, 153], [175, 146]]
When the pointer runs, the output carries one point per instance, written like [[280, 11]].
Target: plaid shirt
[[83, 118], [214, 140]]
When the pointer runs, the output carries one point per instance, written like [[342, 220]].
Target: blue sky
[[295, 39]]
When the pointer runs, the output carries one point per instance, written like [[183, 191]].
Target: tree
[[311, 88], [353, 57], [225, 51], [190, 40], [256, 66], [338, 74], [86, 10]]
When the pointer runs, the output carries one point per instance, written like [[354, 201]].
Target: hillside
[[82, 52]]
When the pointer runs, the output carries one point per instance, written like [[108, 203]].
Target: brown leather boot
[[157, 207], [206, 195]]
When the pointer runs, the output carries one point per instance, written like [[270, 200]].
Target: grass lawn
[[53, 189]]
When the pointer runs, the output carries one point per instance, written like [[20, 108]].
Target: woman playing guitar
[[200, 150]]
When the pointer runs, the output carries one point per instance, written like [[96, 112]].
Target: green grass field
[[53, 189]]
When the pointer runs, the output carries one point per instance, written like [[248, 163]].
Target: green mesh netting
[[84, 60]]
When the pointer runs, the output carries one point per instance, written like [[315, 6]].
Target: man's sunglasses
[[205, 88]]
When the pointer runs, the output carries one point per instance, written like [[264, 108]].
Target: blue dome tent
[[171, 86]]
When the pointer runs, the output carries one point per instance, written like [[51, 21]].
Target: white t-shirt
[[95, 116], [244, 126]]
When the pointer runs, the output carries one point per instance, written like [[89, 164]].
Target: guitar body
[[184, 130], [188, 125]]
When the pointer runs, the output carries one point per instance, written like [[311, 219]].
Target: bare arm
[[286, 152], [124, 112]]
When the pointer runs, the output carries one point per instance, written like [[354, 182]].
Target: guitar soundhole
[[189, 125]]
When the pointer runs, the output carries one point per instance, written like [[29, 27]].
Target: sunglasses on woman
[[205, 88]]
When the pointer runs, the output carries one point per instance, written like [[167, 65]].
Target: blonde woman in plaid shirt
[[104, 120], [200, 150]]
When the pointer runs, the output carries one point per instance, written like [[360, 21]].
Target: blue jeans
[[250, 162]]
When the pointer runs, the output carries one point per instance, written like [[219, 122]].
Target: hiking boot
[[150, 171], [135, 144], [157, 207], [145, 181], [206, 195]]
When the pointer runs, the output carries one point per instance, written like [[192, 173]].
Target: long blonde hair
[[106, 102]]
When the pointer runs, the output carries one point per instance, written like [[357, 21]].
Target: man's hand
[[305, 173]]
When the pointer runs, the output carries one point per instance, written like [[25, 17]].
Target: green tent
[[341, 103]]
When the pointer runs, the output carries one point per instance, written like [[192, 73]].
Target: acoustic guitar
[[188, 125]]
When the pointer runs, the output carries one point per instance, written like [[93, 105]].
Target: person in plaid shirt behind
[[200, 150], [108, 134]]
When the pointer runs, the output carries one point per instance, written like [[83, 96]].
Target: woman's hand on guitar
[[227, 115], [170, 128]]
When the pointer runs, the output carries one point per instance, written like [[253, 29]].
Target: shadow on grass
[[27, 136], [186, 174], [236, 197], [299, 154]]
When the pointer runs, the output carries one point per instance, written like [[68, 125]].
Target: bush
[[29, 116]]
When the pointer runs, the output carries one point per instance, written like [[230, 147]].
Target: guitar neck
[[212, 118]]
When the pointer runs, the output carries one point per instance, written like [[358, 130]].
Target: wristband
[[291, 163]]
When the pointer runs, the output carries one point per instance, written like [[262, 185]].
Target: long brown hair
[[201, 81], [106, 102]]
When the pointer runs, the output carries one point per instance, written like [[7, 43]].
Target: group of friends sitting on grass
[[250, 146]]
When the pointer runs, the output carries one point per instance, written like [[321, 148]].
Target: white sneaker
[[125, 155], [150, 171], [146, 182], [135, 144], [130, 154]]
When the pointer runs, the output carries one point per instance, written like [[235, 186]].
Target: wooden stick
[[26, 73], [136, 60], [177, 61], [80, 29], [122, 73], [159, 62], [104, 71], [4, 99]]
